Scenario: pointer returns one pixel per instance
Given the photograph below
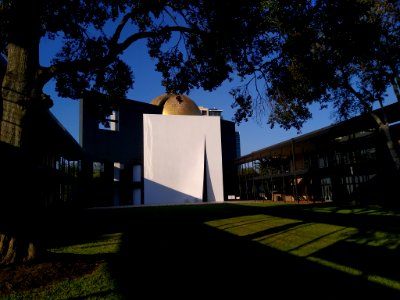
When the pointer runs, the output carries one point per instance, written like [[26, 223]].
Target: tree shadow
[[175, 254], [171, 251]]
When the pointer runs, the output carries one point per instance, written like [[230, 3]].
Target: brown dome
[[174, 104]]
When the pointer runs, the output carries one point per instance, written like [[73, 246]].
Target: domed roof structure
[[174, 104]]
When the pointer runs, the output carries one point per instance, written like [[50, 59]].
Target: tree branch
[[117, 34], [84, 65], [360, 97], [148, 34]]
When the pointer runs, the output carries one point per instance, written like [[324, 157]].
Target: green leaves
[[289, 54], [329, 52]]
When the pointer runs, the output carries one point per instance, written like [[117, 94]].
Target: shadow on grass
[[175, 254], [171, 252]]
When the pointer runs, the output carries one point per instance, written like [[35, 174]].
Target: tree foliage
[[195, 44], [344, 53], [339, 53], [289, 55]]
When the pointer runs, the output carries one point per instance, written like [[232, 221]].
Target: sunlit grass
[[384, 281], [378, 239], [107, 243], [307, 239], [98, 285], [246, 225], [301, 239], [336, 266], [354, 210], [324, 244]]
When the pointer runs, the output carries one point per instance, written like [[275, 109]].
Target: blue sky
[[254, 134]]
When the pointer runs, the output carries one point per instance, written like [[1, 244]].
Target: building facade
[[52, 168], [125, 167], [238, 147], [345, 162]]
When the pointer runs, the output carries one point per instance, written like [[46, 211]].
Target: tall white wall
[[177, 152]]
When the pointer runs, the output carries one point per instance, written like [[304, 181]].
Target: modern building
[[58, 159], [162, 152], [205, 111], [52, 166], [238, 147], [345, 162], [172, 151]]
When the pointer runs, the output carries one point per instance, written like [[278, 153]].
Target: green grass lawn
[[226, 250]]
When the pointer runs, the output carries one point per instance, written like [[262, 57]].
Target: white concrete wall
[[177, 151]]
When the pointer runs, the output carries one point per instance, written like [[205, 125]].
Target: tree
[[343, 53], [294, 52], [196, 44]]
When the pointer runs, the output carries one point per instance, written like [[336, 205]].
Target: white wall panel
[[175, 148], [215, 191]]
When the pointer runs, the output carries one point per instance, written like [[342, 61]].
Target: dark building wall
[[51, 169], [345, 162], [105, 147], [125, 145], [52, 166], [228, 142], [238, 147]]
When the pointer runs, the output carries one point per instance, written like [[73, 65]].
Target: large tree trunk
[[16, 100], [20, 219], [19, 95], [15, 96], [12, 251], [384, 127]]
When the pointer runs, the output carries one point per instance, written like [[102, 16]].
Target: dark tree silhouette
[[195, 43], [344, 53]]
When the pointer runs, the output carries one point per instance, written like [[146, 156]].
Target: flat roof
[[355, 124]]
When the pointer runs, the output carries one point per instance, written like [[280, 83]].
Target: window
[[98, 169], [326, 188], [323, 162], [137, 173], [117, 170], [111, 122]]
